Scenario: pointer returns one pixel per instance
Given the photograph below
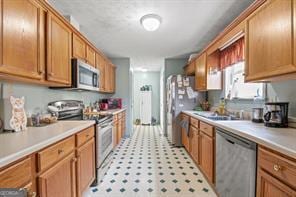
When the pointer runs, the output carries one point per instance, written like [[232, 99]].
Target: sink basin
[[214, 116]]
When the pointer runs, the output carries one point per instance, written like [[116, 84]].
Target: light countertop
[[14, 146], [113, 111], [282, 140]]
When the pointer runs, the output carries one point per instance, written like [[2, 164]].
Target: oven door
[[87, 77], [104, 141]]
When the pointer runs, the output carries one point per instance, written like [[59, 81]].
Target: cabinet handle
[[50, 74], [277, 167], [87, 136], [60, 151], [41, 72]]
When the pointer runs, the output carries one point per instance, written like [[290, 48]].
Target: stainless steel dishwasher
[[235, 165]]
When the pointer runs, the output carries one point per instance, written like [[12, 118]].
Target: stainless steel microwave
[[84, 76]]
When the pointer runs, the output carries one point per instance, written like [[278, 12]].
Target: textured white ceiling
[[187, 26]]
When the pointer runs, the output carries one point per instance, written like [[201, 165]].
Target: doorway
[[146, 97]]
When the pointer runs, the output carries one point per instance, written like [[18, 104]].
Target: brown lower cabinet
[[119, 127], [276, 175], [195, 143], [59, 180], [201, 146], [207, 155], [64, 169], [85, 165]]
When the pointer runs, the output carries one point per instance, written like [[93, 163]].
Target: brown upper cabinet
[[107, 77], [100, 65], [37, 45], [59, 45], [112, 78], [22, 49], [269, 29], [201, 73], [90, 56], [79, 47], [270, 41]]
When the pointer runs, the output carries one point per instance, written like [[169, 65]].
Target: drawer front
[[194, 122], [85, 135], [206, 128], [280, 167], [54, 153], [17, 175]]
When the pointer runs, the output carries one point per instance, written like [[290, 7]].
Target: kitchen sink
[[214, 116]]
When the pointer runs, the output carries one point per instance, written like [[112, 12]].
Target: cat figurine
[[18, 121]]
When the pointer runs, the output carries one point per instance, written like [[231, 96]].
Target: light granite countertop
[[14, 146], [113, 111], [282, 140]]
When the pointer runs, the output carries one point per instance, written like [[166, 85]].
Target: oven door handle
[[106, 125]]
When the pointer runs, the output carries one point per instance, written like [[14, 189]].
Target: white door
[[146, 107]]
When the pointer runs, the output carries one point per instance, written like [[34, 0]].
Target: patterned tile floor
[[147, 165]]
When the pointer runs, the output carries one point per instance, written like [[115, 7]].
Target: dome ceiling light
[[150, 22]]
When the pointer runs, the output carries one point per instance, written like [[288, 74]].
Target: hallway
[[146, 165]]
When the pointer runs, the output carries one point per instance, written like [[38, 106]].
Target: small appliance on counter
[[112, 103], [257, 115], [276, 114], [104, 106]]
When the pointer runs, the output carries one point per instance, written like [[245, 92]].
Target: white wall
[[123, 88]]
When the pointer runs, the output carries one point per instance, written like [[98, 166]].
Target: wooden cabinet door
[[269, 41], [59, 181], [201, 73], [115, 131], [107, 77], [185, 139], [85, 166], [100, 65], [22, 45], [58, 51], [123, 126], [79, 47], [112, 78], [207, 156], [90, 56], [268, 186], [119, 131], [194, 144]]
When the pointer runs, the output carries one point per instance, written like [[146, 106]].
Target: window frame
[[264, 90]]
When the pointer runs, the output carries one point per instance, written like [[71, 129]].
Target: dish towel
[[185, 125]]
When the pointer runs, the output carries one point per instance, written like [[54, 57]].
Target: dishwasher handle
[[234, 139]]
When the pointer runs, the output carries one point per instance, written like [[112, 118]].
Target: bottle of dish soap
[[221, 108]]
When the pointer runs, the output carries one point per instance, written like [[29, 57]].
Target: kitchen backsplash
[[39, 96], [284, 91]]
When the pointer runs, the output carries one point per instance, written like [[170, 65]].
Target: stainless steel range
[[73, 110]]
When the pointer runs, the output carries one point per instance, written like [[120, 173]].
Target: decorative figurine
[[18, 121]]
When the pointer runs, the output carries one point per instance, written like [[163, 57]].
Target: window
[[235, 86]]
